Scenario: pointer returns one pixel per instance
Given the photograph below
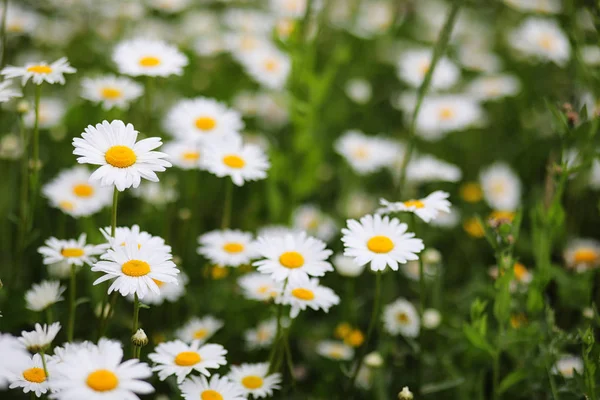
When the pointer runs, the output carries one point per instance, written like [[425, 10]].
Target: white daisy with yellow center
[[413, 65], [442, 114], [241, 162], [7, 93], [180, 359], [567, 365], [268, 66], [199, 329], [123, 161], [43, 295], [12, 349], [71, 251], [540, 6], [541, 38], [582, 254], [501, 187], [227, 247], [367, 154], [335, 350], [426, 168], [257, 286], [493, 87], [27, 372], [401, 318], [51, 113], [136, 270], [185, 154], [148, 57], [217, 388], [40, 338], [380, 241], [111, 91], [302, 292], [311, 219], [40, 72], [373, 18], [262, 336], [168, 291], [254, 379], [426, 208], [20, 21], [134, 235]]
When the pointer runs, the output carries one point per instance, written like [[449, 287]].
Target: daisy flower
[[567, 365], [582, 254], [20, 20], [27, 372], [431, 318], [201, 119], [243, 45], [401, 317], [185, 154], [169, 6], [366, 154], [413, 65], [262, 336], [302, 292], [148, 57], [540, 6], [359, 90], [247, 20], [11, 349], [427, 208], [241, 162], [541, 38], [315, 222], [73, 193], [134, 235], [292, 255], [156, 193], [374, 17], [289, 8], [257, 286], [380, 241], [227, 247], [199, 329], [136, 270], [254, 379], [218, 388], [335, 350], [51, 112], [473, 57], [123, 161], [346, 266], [501, 187], [493, 87], [40, 72], [43, 295], [40, 338], [111, 91], [440, 115], [427, 168], [169, 291], [7, 92], [72, 251], [268, 66], [180, 359]]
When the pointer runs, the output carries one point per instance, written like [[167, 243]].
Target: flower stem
[[43, 355], [113, 227], [225, 222], [49, 315], [113, 220], [23, 226], [422, 292], [136, 314], [274, 348], [72, 310], [36, 143], [3, 32]]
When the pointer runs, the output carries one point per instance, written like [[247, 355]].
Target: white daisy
[[134, 235], [413, 65], [169, 291], [315, 222], [582, 254], [51, 112], [156, 193], [40, 338], [268, 66], [346, 266], [539, 6], [169, 6], [185, 154], [148, 57], [567, 365], [289, 8], [380, 241], [335, 350], [111, 91], [73, 193], [180, 359], [401, 317], [123, 161], [20, 21], [431, 318], [209, 46], [72, 251], [374, 17], [257, 286], [243, 45], [302, 292], [359, 90], [11, 349], [426, 208], [7, 92], [40, 72], [427, 168], [27, 372], [218, 388], [473, 57], [262, 336], [43, 295], [136, 270], [241, 162], [366, 154], [254, 379], [541, 38], [199, 329], [501, 187], [440, 115], [493, 87], [230, 248], [247, 20], [590, 55], [292, 255]]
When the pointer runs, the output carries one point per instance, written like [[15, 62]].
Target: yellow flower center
[[158, 283], [507, 215], [271, 65], [72, 252], [355, 338], [262, 335], [517, 320], [361, 153], [40, 69], [402, 318], [35, 375], [252, 382], [191, 155], [149, 61], [473, 227], [446, 113], [102, 380], [424, 67], [211, 395], [343, 330], [205, 123], [200, 333], [233, 247], [414, 203], [66, 205], [120, 156], [83, 190], [520, 271], [187, 358], [291, 259], [380, 244], [471, 192], [586, 256], [263, 289], [498, 187], [234, 161], [111, 93], [303, 294], [546, 42], [219, 272], [336, 353], [135, 268]]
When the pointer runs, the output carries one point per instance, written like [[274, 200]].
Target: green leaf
[[511, 380], [444, 385], [477, 340]]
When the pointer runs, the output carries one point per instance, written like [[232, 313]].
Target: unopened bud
[[432, 256], [405, 394], [374, 360], [139, 338], [23, 107]]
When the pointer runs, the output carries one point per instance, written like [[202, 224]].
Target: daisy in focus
[[254, 379], [582, 254], [262, 336], [335, 350], [366, 154], [168, 291], [501, 187], [302, 292], [427, 208], [217, 388], [380, 241], [123, 161], [401, 317], [40, 72], [148, 57], [27, 372], [40, 338], [257, 286], [413, 65], [230, 248], [199, 329], [541, 38], [111, 91], [72, 251], [43, 295], [185, 154], [11, 349]]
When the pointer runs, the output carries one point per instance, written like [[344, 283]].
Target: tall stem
[[72, 290], [113, 219], [422, 293], [225, 222], [43, 356], [3, 32], [49, 315], [23, 225], [36, 143], [136, 314], [113, 227]]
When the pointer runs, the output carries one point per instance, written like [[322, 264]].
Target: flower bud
[[374, 360], [23, 107], [139, 338], [405, 394]]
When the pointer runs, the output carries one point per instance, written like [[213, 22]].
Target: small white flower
[[501, 187], [44, 294], [346, 266], [11, 349], [426, 208], [40, 338], [493, 87], [289, 8], [257, 286], [335, 350], [51, 112], [582, 254], [111, 91], [262, 336], [427, 168], [541, 38], [230, 248], [125, 235], [367, 154], [268, 66], [302, 292], [431, 318], [40, 72], [199, 329], [591, 55], [568, 365], [168, 291], [71, 251], [254, 379], [442, 114], [27, 372], [137, 57], [156, 193], [401, 317], [315, 222], [413, 65], [359, 90], [7, 92], [217, 388], [20, 21], [241, 162], [185, 154]]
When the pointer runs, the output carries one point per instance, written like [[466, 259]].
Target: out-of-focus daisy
[[111, 91], [591, 55], [134, 235], [43, 295], [582, 254], [123, 161], [568, 365], [72, 251], [440, 115], [413, 65], [136, 270], [27, 372], [40, 72], [401, 317], [243, 45], [7, 92], [366, 154], [40, 338], [156, 193], [479, 60], [316, 223], [199, 329], [346, 266], [335, 350], [289, 8], [358, 90], [254, 379], [73, 193], [539, 6], [148, 57], [257, 286], [262, 336], [292, 255], [501, 187], [427, 208], [241, 162], [11, 349], [168, 291], [302, 292], [380, 241], [186, 154], [427, 168], [169, 6], [374, 17], [247, 20], [19, 20], [231, 248], [51, 112], [411, 270], [268, 66], [541, 38], [208, 46], [431, 318], [494, 87], [217, 388], [180, 359], [272, 109]]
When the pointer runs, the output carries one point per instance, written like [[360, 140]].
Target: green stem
[[136, 314], [422, 298], [3, 32], [43, 355], [113, 220], [552, 383], [36, 143], [496, 376], [288, 355], [274, 348], [226, 221], [72, 310], [149, 91], [24, 194], [49, 315]]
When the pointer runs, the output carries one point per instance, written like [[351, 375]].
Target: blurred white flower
[[148, 57], [111, 91], [51, 112], [335, 350], [494, 87], [431, 318], [40, 72], [44, 294], [427, 168], [401, 317], [541, 38], [413, 65], [366, 154], [568, 365], [359, 90], [501, 187], [346, 266]]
